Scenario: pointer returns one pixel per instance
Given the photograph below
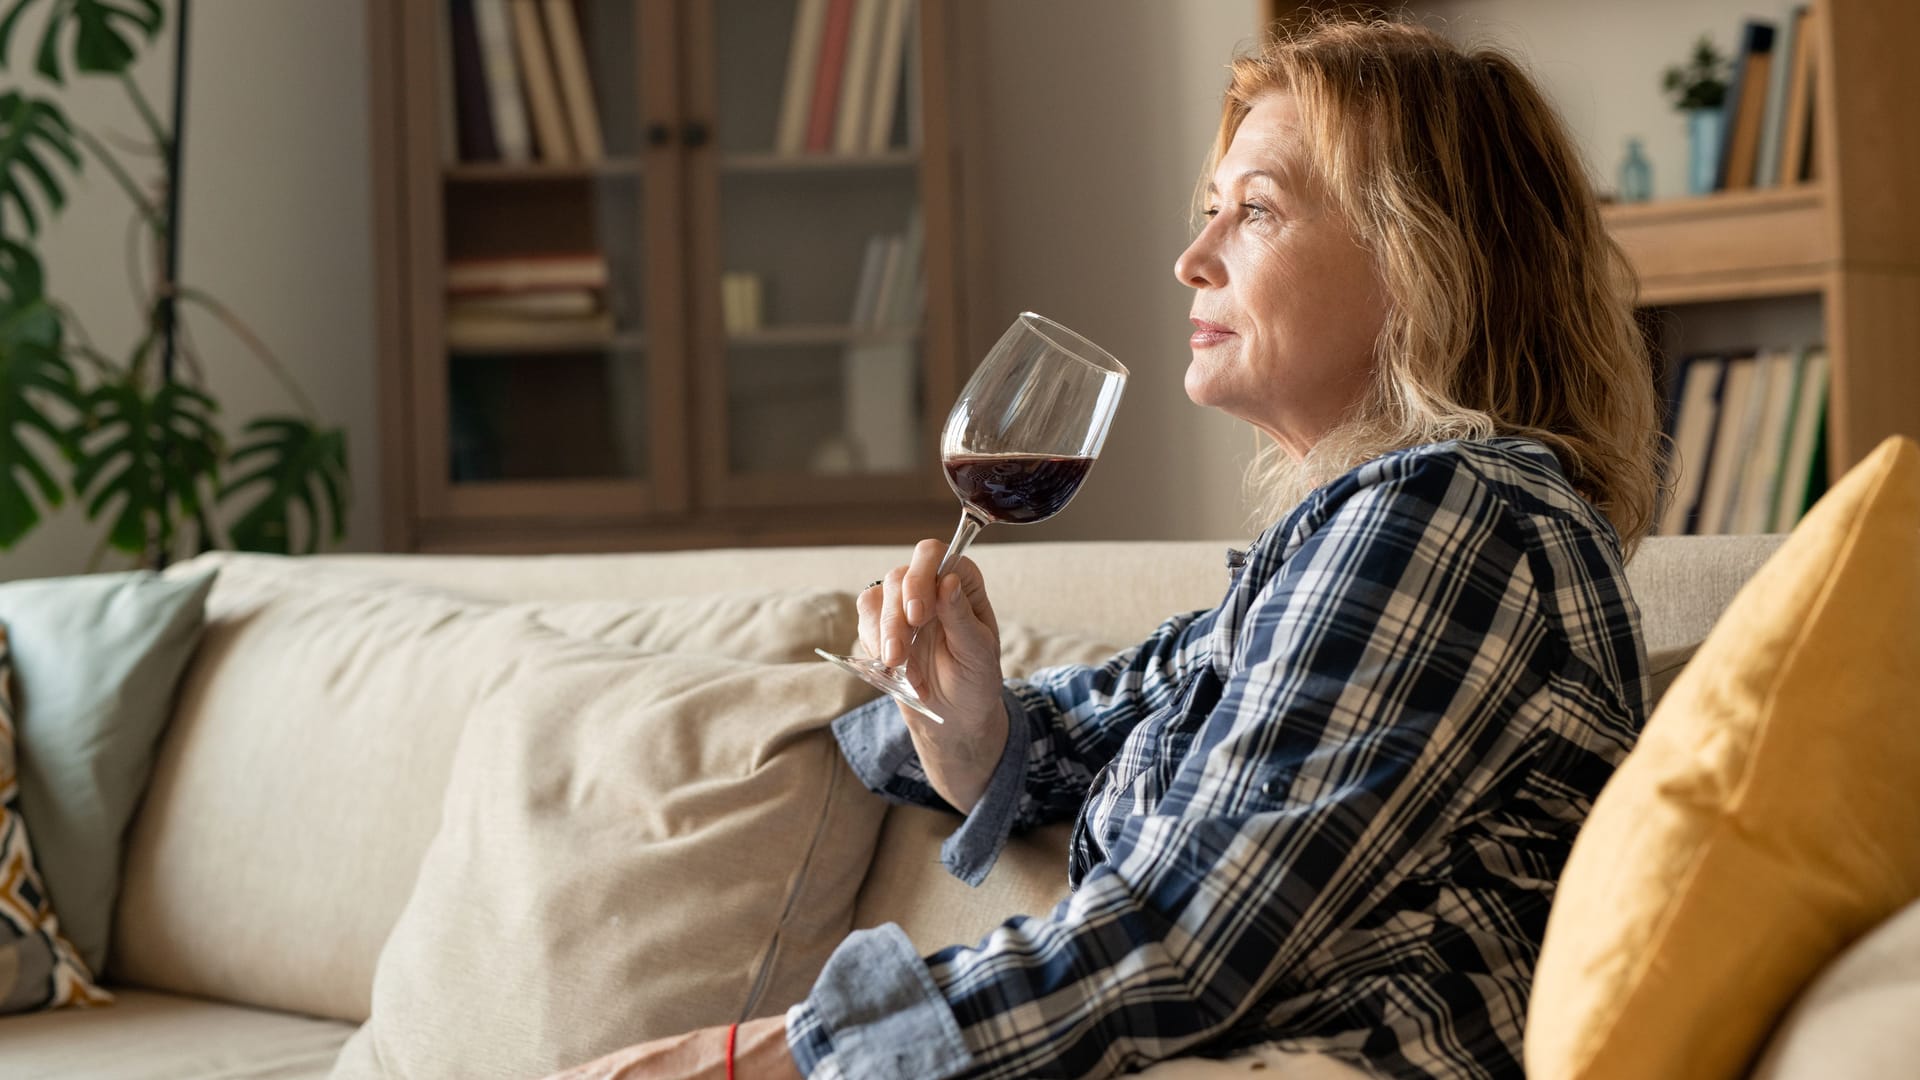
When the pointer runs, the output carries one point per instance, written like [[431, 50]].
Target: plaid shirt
[[1328, 813]]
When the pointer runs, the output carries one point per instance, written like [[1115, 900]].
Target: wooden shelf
[[781, 164], [1728, 245], [822, 334], [500, 172], [623, 343]]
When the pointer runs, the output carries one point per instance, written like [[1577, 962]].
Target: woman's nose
[[1199, 266]]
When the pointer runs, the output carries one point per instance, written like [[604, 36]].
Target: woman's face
[[1287, 304]]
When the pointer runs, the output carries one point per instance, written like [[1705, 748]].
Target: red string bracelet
[[732, 1030]]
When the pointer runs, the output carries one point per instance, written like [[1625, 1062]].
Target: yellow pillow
[[1769, 815]]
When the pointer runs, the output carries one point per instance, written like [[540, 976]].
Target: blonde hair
[[1510, 307]]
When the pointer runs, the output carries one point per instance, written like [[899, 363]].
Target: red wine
[[1016, 489]]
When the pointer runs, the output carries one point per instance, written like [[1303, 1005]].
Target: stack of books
[[515, 85], [881, 373], [1748, 437], [851, 78], [551, 300], [892, 290], [1767, 139]]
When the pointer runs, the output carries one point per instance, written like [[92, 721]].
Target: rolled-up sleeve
[[1380, 681]]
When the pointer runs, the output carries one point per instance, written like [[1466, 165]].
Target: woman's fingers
[[867, 603], [894, 631], [920, 590]]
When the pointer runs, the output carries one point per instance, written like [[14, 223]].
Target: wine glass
[[1016, 447]]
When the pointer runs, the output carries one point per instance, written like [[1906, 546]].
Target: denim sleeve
[[876, 1014]]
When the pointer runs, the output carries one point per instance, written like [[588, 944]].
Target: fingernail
[[895, 653], [916, 611]]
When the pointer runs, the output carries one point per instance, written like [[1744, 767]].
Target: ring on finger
[[874, 582]]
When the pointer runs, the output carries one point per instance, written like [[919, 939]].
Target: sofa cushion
[[300, 781], [1766, 817], [633, 846], [39, 968], [1856, 1021], [150, 1036], [96, 661]]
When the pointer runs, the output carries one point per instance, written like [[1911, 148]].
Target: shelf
[[818, 163], [500, 172], [1728, 245], [822, 334], [622, 343]]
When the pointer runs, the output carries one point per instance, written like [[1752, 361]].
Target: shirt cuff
[[970, 852], [878, 747], [876, 1012]]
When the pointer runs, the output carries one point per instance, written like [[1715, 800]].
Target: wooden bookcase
[[1850, 238], [674, 430]]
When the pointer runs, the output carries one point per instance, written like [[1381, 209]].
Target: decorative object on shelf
[[741, 305], [1636, 174], [135, 435], [1699, 90]]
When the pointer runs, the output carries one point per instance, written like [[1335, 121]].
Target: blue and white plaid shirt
[[1328, 813]]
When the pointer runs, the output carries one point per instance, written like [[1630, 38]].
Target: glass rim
[[1076, 345]]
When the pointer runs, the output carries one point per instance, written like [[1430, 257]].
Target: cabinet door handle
[[659, 135], [694, 134]]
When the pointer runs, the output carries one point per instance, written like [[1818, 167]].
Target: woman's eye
[[1254, 210], [1211, 211]]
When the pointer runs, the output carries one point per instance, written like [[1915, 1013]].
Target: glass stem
[[970, 526]]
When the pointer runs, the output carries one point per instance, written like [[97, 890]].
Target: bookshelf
[[1847, 243], [620, 403]]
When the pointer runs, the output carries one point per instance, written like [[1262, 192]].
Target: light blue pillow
[[96, 660]]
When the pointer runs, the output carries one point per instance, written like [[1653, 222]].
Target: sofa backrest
[[196, 850]]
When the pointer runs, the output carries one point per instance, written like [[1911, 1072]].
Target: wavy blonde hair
[[1510, 308]]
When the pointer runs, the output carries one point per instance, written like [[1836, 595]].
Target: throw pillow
[[1766, 818], [632, 846], [38, 966], [96, 660], [300, 782]]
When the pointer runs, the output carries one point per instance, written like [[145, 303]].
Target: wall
[[276, 211]]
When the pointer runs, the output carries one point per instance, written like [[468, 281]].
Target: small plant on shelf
[[1700, 83]]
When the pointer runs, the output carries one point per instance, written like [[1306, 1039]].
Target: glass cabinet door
[[551, 200], [809, 261]]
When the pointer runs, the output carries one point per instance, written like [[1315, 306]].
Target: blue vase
[[1705, 128], [1636, 175]]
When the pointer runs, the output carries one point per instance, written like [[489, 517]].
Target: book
[[1796, 138], [887, 68], [1693, 424], [1773, 121], [543, 88], [1803, 466], [1723, 461], [516, 273], [576, 87], [908, 295], [866, 289], [856, 84], [825, 106], [510, 131], [470, 330], [889, 285], [554, 303], [1752, 510], [473, 113], [803, 60], [1746, 105]]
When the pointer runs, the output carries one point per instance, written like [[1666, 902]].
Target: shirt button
[[1273, 789]]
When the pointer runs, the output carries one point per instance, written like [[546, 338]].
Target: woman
[[1330, 811]]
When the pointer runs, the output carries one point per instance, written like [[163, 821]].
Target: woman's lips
[[1207, 334]]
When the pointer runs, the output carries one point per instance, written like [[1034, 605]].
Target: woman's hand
[[954, 665], [759, 1053]]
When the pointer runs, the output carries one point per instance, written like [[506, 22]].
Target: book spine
[[826, 83], [865, 290], [523, 273], [543, 90], [1772, 124], [1693, 425], [570, 64], [856, 83], [886, 294], [472, 107], [803, 60], [1745, 101], [503, 80], [910, 292], [1795, 158], [886, 77]]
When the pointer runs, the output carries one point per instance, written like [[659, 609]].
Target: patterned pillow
[[38, 966]]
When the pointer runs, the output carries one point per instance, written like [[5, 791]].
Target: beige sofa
[[248, 975]]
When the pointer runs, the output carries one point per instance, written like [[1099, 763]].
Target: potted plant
[[133, 435], [1698, 89]]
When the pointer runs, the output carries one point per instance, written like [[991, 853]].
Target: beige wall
[[275, 219]]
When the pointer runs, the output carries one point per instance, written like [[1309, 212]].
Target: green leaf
[[34, 374], [33, 133], [127, 428], [300, 462], [104, 33]]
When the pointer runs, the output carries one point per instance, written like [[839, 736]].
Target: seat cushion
[[1767, 816], [150, 1036], [1855, 1022]]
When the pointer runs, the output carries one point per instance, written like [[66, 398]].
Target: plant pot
[[1706, 129]]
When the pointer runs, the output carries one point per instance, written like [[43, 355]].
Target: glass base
[[881, 677]]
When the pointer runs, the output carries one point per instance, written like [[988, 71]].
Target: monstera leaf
[[32, 371], [126, 427], [300, 461], [102, 33], [32, 134]]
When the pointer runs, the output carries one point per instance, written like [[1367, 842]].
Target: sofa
[[279, 841]]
